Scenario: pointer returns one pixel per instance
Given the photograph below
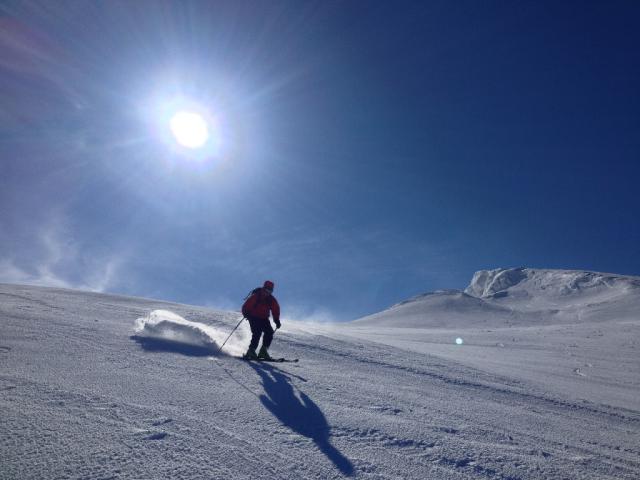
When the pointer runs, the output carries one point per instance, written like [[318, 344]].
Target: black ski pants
[[258, 327]]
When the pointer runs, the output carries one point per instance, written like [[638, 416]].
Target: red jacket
[[259, 304]]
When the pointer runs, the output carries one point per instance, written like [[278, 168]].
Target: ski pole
[[220, 349]]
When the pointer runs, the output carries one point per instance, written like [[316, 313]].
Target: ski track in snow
[[81, 398]]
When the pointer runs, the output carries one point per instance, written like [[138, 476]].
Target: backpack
[[256, 290]]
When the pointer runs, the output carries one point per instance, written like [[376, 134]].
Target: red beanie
[[268, 284]]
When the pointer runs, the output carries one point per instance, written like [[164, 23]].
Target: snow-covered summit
[[554, 285], [507, 296]]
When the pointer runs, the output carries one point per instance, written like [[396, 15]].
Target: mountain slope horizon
[[82, 397], [562, 330], [510, 296]]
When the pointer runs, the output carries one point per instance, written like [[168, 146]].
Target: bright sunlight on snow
[[190, 129], [545, 387]]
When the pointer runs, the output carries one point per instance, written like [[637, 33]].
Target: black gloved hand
[[277, 322]]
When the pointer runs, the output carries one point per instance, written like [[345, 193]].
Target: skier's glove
[[277, 322]]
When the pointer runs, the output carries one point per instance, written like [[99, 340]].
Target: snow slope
[[101, 386], [563, 331]]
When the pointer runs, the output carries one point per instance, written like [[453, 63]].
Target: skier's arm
[[275, 311]]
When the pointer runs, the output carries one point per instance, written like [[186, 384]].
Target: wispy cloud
[[54, 258], [9, 273]]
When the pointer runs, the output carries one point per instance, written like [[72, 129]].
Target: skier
[[256, 309]]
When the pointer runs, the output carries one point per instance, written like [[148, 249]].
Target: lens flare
[[459, 341]]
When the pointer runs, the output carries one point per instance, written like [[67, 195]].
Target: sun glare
[[189, 129]]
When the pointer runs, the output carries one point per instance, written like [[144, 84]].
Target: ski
[[273, 360]]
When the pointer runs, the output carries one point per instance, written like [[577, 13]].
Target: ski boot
[[250, 355], [263, 354]]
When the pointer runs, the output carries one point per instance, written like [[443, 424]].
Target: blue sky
[[366, 151]]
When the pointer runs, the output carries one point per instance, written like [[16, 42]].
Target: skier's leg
[[268, 335], [256, 331], [266, 341]]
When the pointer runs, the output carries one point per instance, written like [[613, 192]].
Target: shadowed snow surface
[[101, 386]]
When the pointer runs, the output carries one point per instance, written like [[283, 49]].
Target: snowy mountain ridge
[[505, 296], [502, 282]]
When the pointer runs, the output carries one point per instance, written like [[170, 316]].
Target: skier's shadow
[[300, 414]]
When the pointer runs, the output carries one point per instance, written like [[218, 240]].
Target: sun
[[190, 129]]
